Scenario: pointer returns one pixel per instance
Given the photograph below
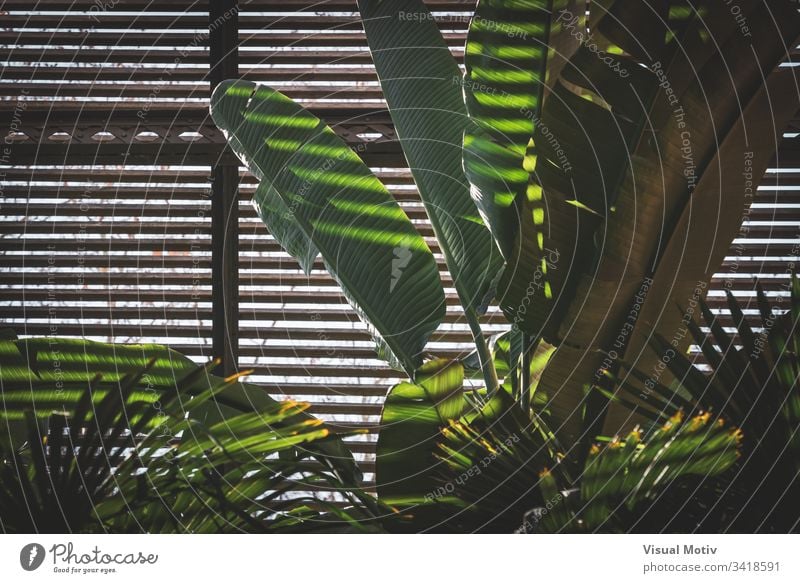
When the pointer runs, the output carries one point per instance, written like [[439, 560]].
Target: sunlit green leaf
[[422, 86], [339, 207]]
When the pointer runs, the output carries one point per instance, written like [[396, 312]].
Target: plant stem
[[484, 356], [525, 373]]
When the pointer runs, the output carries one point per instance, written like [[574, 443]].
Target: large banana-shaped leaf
[[508, 58], [514, 53], [421, 82], [343, 210], [42, 375], [748, 129], [627, 135], [721, 194]]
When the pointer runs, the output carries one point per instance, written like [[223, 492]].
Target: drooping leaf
[[506, 350], [514, 52], [507, 57], [283, 226], [443, 380], [343, 210], [754, 387], [100, 466]]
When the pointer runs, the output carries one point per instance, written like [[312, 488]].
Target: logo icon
[[31, 556], [401, 257]]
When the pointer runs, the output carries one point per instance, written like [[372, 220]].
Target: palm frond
[[753, 385], [112, 461]]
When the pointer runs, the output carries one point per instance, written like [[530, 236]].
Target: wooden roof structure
[[126, 218]]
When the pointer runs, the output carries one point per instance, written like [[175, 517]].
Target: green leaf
[[498, 179], [639, 187], [514, 52], [633, 470], [92, 469], [283, 226], [421, 82], [44, 375], [412, 417], [492, 458], [754, 389], [499, 346], [343, 210], [731, 119], [505, 59], [443, 381]]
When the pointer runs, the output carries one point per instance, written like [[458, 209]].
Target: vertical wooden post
[[224, 64]]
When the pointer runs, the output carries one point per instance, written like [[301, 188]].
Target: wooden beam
[[223, 38]]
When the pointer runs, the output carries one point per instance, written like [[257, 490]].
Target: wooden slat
[[142, 258], [382, 154], [178, 5]]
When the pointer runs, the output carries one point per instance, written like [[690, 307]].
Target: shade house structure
[[399, 266]]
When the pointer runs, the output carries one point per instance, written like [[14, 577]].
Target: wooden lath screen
[[107, 220]]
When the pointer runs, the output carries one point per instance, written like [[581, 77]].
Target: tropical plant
[[498, 470], [754, 383], [562, 175], [154, 443], [719, 451], [651, 83], [493, 145]]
